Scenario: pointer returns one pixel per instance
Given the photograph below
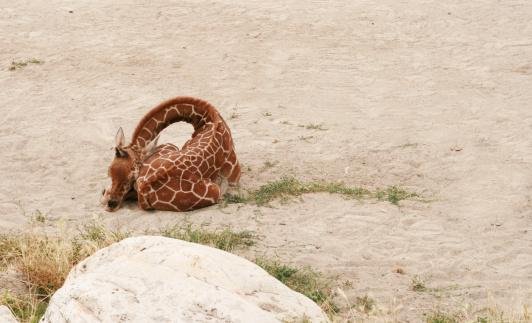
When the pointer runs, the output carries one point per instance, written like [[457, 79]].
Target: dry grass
[[44, 262]]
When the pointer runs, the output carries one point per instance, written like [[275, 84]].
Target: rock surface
[[6, 316], [157, 279]]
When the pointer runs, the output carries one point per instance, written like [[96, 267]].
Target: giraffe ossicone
[[165, 177]]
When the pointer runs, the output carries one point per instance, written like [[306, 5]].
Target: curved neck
[[194, 111]]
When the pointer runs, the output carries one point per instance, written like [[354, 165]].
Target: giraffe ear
[[120, 140], [149, 148]]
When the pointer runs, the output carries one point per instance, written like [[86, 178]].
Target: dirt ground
[[435, 98]]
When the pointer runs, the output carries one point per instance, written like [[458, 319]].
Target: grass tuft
[[314, 126], [25, 308], [418, 285], [234, 198], [283, 188], [365, 304], [39, 216], [268, 164], [226, 239], [440, 317], [15, 65], [394, 195], [303, 280]]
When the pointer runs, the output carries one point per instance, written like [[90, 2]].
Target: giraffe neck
[[194, 111]]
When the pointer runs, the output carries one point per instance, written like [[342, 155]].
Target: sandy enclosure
[[434, 98]]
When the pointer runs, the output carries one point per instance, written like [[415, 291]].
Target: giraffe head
[[124, 170]]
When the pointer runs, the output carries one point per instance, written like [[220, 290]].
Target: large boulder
[[157, 279]]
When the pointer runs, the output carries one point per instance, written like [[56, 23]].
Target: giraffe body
[[168, 178]]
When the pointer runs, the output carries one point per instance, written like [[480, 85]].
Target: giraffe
[[165, 177]]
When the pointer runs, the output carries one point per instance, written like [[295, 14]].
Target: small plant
[[418, 285], [267, 114], [20, 64], [313, 126], [93, 232], [303, 280], [305, 138], [440, 317], [365, 304], [268, 164], [347, 284], [226, 239], [234, 115], [233, 198], [39, 216]]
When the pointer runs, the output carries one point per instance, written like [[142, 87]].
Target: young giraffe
[[165, 177]]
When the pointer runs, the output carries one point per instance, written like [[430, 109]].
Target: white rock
[[156, 279], [6, 316]]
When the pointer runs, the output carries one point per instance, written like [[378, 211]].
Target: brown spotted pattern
[[187, 178], [183, 179]]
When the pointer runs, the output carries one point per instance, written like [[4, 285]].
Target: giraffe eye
[[119, 153]]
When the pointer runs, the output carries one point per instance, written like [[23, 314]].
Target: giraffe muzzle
[[112, 204]]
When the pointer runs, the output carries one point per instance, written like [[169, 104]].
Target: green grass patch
[[303, 280], [288, 187], [225, 239]]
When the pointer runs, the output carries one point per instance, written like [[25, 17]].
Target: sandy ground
[[436, 98]]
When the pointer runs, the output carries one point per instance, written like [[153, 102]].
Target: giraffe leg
[[143, 189], [173, 195], [234, 175], [231, 169], [208, 193], [223, 184]]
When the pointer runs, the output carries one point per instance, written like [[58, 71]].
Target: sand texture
[[435, 98]]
